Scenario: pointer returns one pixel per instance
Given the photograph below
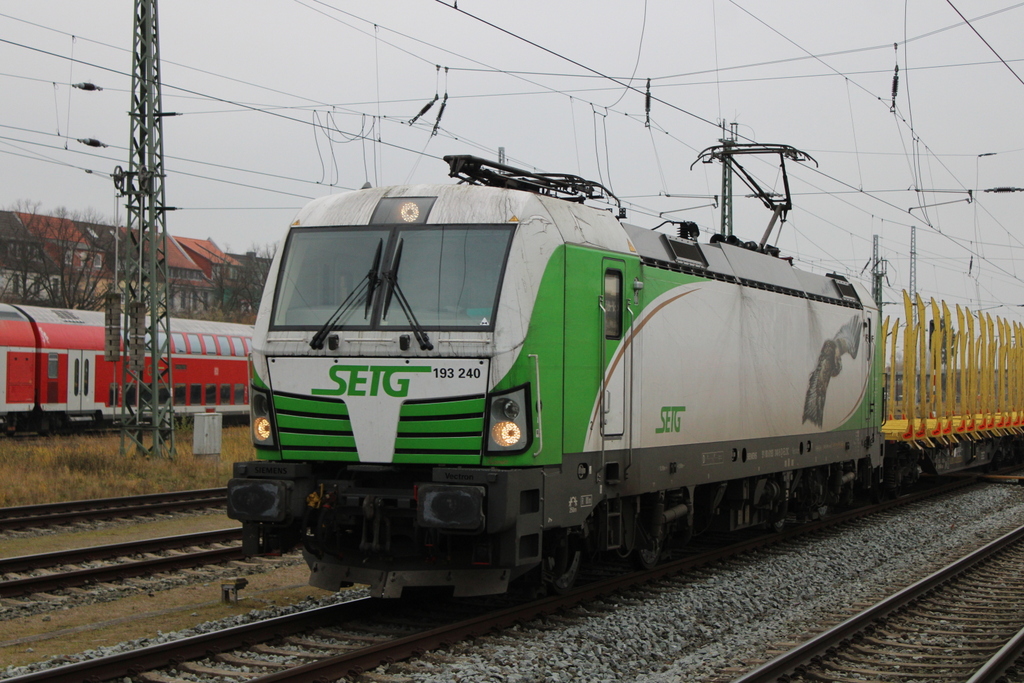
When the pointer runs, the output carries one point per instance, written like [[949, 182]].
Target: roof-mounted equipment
[[846, 290], [779, 207], [476, 171]]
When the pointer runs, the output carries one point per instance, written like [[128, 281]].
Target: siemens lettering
[[366, 380]]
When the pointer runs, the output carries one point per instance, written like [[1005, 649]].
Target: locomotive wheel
[[777, 516], [562, 566], [648, 556], [648, 549]]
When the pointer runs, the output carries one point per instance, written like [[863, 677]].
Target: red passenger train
[[53, 374]]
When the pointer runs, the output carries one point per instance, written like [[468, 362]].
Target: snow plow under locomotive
[[470, 385]]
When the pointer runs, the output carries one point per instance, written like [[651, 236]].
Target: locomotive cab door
[[613, 395]]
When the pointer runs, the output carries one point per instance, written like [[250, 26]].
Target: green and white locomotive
[[487, 382]]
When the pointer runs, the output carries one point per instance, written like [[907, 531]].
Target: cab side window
[[612, 304]]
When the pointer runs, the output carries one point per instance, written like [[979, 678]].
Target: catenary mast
[[728, 140], [147, 411]]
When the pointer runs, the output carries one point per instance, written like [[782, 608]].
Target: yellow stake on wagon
[[924, 405], [990, 368], [972, 380], [948, 377], [909, 367], [887, 405], [892, 372], [961, 377], [935, 385]]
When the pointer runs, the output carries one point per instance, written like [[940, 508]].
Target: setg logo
[[369, 380], [670, 420]]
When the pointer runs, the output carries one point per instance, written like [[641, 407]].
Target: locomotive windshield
[[450, 276]]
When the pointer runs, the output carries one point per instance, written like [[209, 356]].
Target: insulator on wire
[[895, 87], [440, 113], [91, 142], [92, 87], [647, 104], [425, 109], [895, 79]]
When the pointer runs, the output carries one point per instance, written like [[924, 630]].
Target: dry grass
[[65, 468]]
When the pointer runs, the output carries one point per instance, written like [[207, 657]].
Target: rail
[[792, 661], [27, 516]]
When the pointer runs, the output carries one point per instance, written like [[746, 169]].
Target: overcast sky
[[284, 101]]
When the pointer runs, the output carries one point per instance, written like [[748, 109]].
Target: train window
[[52, 363], [237, 346], [322, 268], [194, 345], [612, 304], [211, 348], [239, 394], [195, 394], [225, 394], [224, 345], [248, 346], [211, 394], [78, 372], [178, 343], [179, 394], [112, 394], [85, 379], [439, 264]]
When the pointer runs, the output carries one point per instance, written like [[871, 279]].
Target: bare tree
[[250, 277], [79, 255], [21, 258]]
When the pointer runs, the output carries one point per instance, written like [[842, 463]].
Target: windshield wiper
[[368, 284], [403, 303], [373, 279]]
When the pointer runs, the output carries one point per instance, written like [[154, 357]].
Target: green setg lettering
[[368, 380], [670, 419]]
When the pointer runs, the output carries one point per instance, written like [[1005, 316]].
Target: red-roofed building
[[219, 267], [189, 288], [67, 263], [69, 268], [22, 263]]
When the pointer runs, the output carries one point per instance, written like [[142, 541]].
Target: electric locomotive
[[477, 384]]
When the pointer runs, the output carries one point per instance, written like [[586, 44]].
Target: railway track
[[357, 636], [962, 622], [31, 516], [65, 578]]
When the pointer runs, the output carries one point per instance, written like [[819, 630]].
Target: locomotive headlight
[[509, 422], [409, 212], [260, 418], [261, 429], [402, 210], [506, 434], [507, 407]]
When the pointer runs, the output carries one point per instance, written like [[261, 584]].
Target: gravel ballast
[[723, 616]]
